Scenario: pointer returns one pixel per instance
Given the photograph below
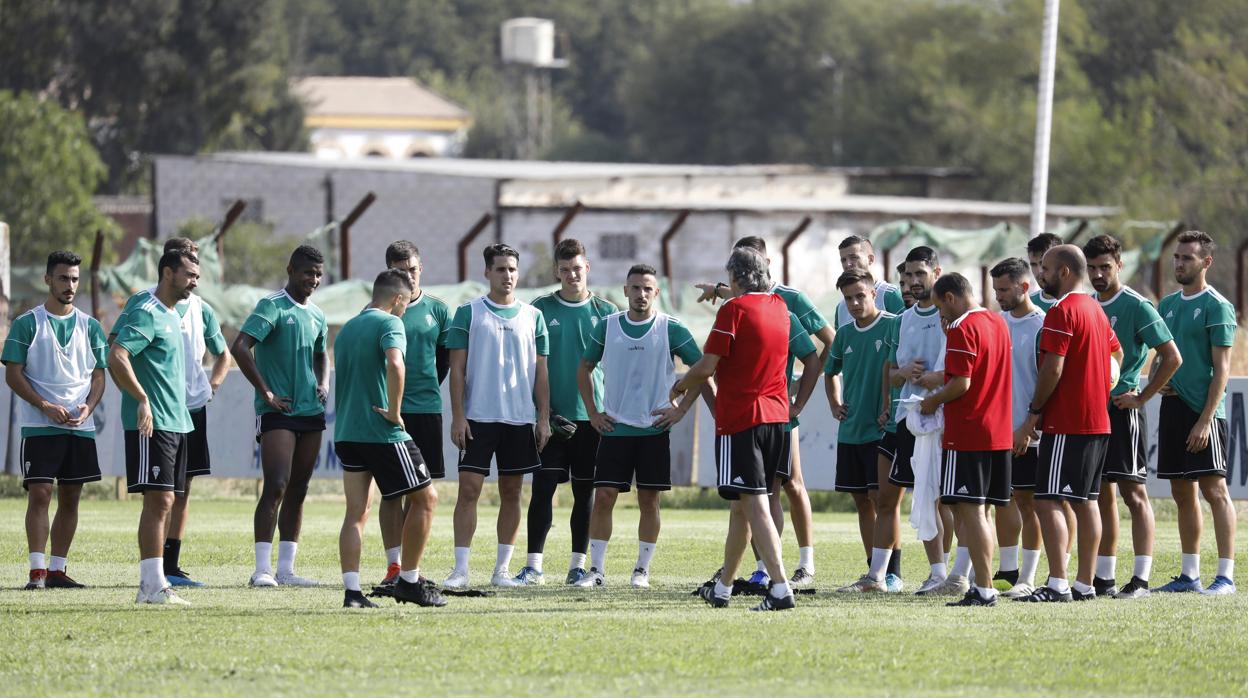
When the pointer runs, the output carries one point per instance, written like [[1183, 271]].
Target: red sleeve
[[1056, 334], [723, 332], [961, 349]]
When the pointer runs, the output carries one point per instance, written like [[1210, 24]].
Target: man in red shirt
[[747, 352], [1077, 345], [979, 432]]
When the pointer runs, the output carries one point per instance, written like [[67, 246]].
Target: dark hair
[[953, 283], [924, 254], [390, 282], [1207, 245], [400, 250], [752, 242], [901, 268], [65, 257], [306, 255], [1103, 245], [854, 276], [175, 244], [1043, 243], [854, 240], [174, 261], [641, 269], [569, 248], [1015, 268], [498, 249]]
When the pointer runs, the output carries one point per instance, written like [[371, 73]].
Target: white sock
[[1081, 587], [1143, 566], [152, 574], [962, 563], [1061, 586], [578, 562], [780, 590], [722, 591], [535, 561], [392, 554], [351, 580], [36, 562], [410, 576], [56, 564], [760, 566], [940, 570], [286, 550], [1009, 558], [503, 560], [879, 563], [985, 592], [645, 553], [1226, 567], [1106, 566], [806, 558], [597, 554], [1191, 566], [264, 557], [461, 560], [1027, 570]]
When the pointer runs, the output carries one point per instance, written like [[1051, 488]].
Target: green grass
[[555, 640]]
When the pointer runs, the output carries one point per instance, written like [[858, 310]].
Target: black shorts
[[748, 460], [784, 471], [512, 446], [1070, 466], [975, 477], [274, 421], [620, 459], [902, 472], [426, 432], [1173, 460], [888, 446], [574, 458], [857, 467], [156, 463], [1126, 457], [1023, 469], [198, 462], [69, 459], [397, 467]]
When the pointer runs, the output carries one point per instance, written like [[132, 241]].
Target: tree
[[48, 172]]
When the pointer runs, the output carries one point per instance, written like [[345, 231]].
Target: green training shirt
[[1198, 323], [860, 355], [287, 336], [153, 338], [1139, 328], [22, 333], [569, 326], [425, 322], [800, 346], [360, 377]]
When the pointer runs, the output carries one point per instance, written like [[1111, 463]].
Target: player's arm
[[320, 369], [713, 292], [954, 389], [123, 375], [442, 360], [806, 386], [94, 395], [1046, 382], [1164, 367], [602, 423], [826, 335], [1198, 439], [220, 369], [17, 381], [241, 351], [460, 433], [395, 374], [541, 399], [696, 376]]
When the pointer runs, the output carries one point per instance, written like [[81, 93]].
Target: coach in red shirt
[[747, 353], [979, 431], [1077, 345]]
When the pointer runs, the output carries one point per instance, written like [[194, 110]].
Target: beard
[[1184, 278], [1008, 306], [921, 294], [1050, 288]]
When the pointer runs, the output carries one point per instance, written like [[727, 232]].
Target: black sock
[[582, 506], [541, 509], [894, 562], [1011, 576], [173, 546]]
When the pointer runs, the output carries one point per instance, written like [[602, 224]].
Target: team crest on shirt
[[877, 345], [593, 320], [429, 320], [1196, 314], [1113, 321]]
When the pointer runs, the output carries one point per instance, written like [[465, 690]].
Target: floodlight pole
[[97, 251], [1044, 118]]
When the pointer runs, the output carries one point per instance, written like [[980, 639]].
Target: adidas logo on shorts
[[1066, 490], [963, 490], [738, 481]]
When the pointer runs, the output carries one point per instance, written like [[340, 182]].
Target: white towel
[[927, 430]]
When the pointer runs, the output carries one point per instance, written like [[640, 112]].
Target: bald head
[[1062, 270]]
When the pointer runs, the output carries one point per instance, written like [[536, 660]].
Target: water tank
[[529, 41]]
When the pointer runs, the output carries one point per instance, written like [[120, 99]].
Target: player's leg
[[1088, 516], [600, 530], [38, 500], [975, 532], [886, 535], [391, 514], [800, 514], [1009, 525], [947, 526], [510, 488], [1031, 543], [1214, 490], [357, 486], [1186, 495], [152, 521], [1143, 530], [1174, 463], [540, 514], [290, 516], [64, 526], [277, 447], [465, 524], [1106, 554], [155, 467], [198, 463], [647, 535], [416, 529], [583, 453], [763, 532]]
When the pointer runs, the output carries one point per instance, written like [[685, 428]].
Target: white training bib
[[502, 365], [1024, 333], [638, 374], [920, 336], [60, 374]]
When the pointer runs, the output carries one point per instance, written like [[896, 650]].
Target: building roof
[[380, 103]]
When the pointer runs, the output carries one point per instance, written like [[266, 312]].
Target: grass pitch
[[560, 641]]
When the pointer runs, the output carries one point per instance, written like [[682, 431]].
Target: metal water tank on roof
[[529, 41]]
